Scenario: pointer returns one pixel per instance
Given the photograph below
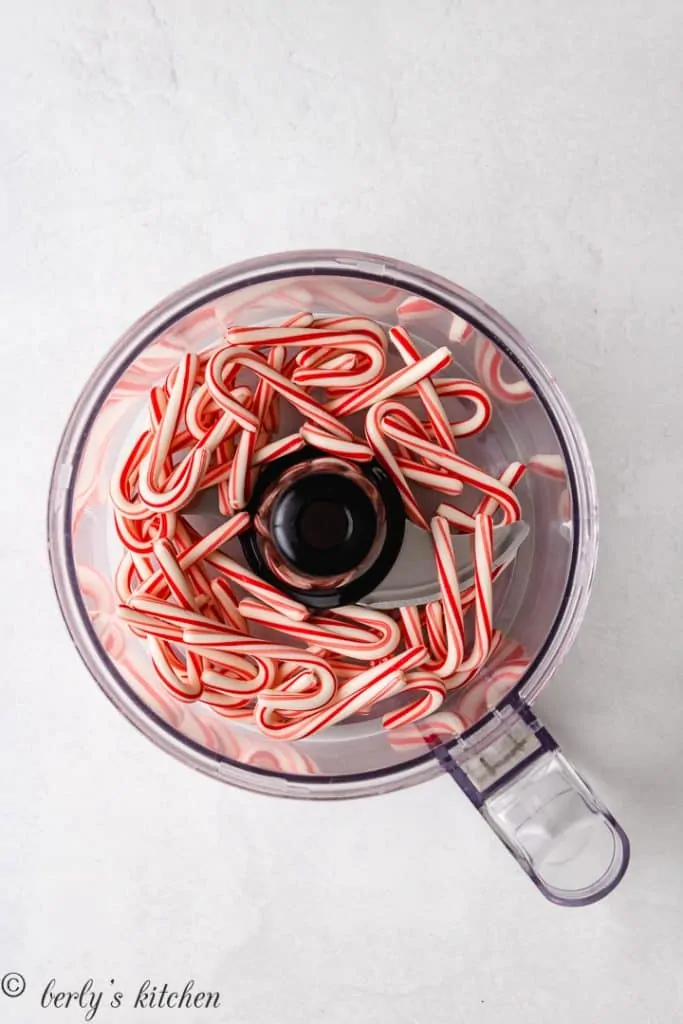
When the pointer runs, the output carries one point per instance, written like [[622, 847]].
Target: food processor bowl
[[485, 736]]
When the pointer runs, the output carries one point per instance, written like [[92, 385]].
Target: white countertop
[[531, 151]]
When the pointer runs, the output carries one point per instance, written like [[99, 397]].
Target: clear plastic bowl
[[540, 601]]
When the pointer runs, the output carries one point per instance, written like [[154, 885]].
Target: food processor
[[485, 736]]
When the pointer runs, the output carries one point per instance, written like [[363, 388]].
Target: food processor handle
[[534, 800]]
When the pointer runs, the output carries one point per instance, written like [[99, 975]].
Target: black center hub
[[324, 524]]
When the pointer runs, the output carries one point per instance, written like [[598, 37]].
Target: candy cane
[[354, 323], [177, 495], [148, 625], [450, 596], [502, 681], [439, 727], [265, 397], [306, 690], [411, 625], [465, 471], [483, 603], [436, 633], [179, 395], [103, 614], [139, 535], [354, 450], [378, 639], [239, 473], [375, 429], [489, 365], [461, 678], [391, 385], [124, 577], [228, 606], [175, 579], [277, 449], [200, 549], [245, 679], [431, 478], [126, 476], [252, 583], [460, 330], [240, 710], [552, 466], [417, 308], [169, 670], [428, 393], [174, 615], [463, 389], [510, 477], [232, 358], [368, 687], [298, 320], [434, 691]]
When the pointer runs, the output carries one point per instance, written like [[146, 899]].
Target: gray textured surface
[[531, 151]]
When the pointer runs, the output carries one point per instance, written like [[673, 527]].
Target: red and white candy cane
[[200, 549], [434, 479], [375, 433], [502, 680], [489, 365], [230, 359], [463, 677], [184, 377], [436, 630], [465, 390], [252, 583], [510, 477], [124, 480], [266, 399], [483, 602], [372, 685], [430, 399], [434, 693], [311, 686], [414, 633], [438, 727], [139, 535], [465, 521], [175, 578], [463, 470], [239, 676], [378, 637], [101, 606], [354, 323], [227, 606], [354, 450], [179, 489], [171, 670], [392, 385], [276, 449], [150, 625], [238, 481], [460, 330], [417, 308], [552, 466], [450, 597]]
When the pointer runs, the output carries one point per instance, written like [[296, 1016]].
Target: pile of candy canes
[[208, 428]]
